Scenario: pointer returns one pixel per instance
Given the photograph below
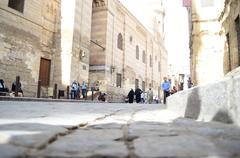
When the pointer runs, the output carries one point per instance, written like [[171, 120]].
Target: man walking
[[150, 96], [74, 89], [166, 89], [84, 90]]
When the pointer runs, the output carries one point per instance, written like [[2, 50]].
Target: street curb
[[29, 99], [217, 101]]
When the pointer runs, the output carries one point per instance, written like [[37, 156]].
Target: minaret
[[158, 26]]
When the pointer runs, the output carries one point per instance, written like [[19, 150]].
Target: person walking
[[166, 89], [150, 96], [84, 90], [143, 97], [131, 96], [74, 89], [138, 93]]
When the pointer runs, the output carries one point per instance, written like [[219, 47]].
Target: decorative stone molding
[[98, 3]]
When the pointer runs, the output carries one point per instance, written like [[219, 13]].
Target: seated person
[[3, 88], [20, 91], [102, 97]]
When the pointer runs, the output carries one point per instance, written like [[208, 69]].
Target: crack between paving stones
[[71, 130], [128, 141]]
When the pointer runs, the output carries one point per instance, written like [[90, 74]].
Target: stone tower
[[158, 23], [75, 39]]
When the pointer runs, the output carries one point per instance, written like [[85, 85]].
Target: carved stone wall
[[25, 38], [207, 42], [99, 3], [232, 45], [107, 60]]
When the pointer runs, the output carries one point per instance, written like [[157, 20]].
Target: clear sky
[[176, 28]]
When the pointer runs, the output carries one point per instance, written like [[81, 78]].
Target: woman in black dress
[[131, 96]]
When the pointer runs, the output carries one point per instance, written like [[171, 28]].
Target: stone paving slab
[[88, 143], [174, 146], [167, 140], [9, 151], [30, 135]]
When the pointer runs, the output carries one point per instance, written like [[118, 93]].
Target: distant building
[[131, 57]]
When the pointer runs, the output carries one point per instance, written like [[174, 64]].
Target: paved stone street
[[90, 130]]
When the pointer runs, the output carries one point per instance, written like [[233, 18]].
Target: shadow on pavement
[[193, 105]]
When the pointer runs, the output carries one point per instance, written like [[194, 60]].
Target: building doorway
[[44, 72]]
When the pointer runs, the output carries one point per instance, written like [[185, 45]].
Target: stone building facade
[[29, 37], [126, 54], [230, 19], [58, 41], [44, 40], [207, 41], [75, 40], [215, 37]]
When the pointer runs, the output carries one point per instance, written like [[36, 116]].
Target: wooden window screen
[[137, 52], [144, 57], [136, 83], [17, 5], [150, 61], [119, 80], [143, 86], [120, 41]]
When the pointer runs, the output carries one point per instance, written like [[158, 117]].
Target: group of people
[[14, 89], [140, 96], [76, 90]]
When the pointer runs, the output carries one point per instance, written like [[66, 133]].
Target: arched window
[[120, 41], [137, 51]]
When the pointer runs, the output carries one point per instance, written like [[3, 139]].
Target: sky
[[176, 28]]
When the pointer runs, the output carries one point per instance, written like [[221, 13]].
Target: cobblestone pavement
[[91, 130]]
